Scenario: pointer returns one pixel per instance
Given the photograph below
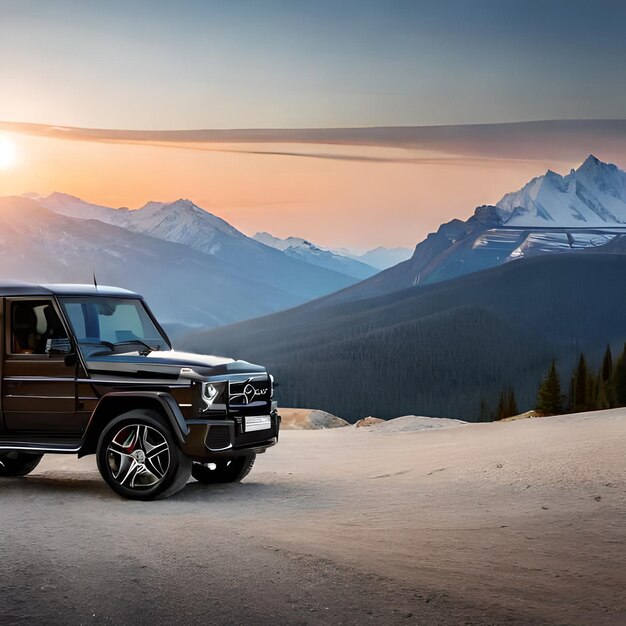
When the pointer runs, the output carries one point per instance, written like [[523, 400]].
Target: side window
[[37, 329]]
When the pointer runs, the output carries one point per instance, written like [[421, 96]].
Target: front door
[[38, 387]]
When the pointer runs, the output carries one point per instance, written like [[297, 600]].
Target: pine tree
[[601, 395], [549, 399], [485, 412], [606, 371], [571, 400], [618, 383], [592, 387], [501, 410], [581, 387], [507, 405], [511, 404]]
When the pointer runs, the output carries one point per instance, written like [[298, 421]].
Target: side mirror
[[70, 359]]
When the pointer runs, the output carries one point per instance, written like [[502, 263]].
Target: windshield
[[112, 324]]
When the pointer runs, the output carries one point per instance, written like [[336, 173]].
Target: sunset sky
[[295, 65]]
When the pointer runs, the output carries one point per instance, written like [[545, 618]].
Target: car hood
[[166, 364]]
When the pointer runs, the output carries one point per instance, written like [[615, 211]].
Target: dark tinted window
[[36, 328]]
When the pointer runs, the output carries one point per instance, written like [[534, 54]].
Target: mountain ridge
[[219, 275], [493, 235], [184, 222], [304, 249], [594, 194]]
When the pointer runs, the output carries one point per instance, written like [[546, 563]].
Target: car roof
[[16, 288]]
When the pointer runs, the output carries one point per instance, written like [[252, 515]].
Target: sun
[[8, 153]]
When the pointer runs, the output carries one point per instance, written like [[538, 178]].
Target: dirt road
[[521, 522]]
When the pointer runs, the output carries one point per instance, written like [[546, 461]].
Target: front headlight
[[211, 394]]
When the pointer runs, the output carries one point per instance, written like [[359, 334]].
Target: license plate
[[257, 422]]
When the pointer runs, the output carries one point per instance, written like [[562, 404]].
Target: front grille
[[218, 438], [250, 396]]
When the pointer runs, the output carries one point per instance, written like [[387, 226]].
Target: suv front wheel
[[139, 457]]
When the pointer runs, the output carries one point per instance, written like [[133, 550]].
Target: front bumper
[[218, 438]]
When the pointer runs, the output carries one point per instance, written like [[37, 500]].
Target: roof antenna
[[95, 282]]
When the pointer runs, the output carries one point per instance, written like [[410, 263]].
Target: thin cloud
[[446, 160], [564, 140]]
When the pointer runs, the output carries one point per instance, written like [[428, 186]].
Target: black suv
[[89, 370]]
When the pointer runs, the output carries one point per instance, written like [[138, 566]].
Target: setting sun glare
[[8, 154]]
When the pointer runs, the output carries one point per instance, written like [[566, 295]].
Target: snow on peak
[[301, 248], [183, 203], [180, 205], [58, 196], [152, 205], [181, 221], [592, 195], [72, 206], [591, 162], [284, 244]]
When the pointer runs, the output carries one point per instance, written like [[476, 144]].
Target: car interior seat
[[24, 329], [53, 327]]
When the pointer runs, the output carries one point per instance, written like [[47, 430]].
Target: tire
[[139, 458], [225, 471], [18, 463]]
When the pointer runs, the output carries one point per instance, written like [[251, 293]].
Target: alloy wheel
[[138, 456]]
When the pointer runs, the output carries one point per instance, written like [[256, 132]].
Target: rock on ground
[[309, 419], [368, 421], [412, 422]]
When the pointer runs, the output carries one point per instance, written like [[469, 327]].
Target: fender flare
[[101, 416]]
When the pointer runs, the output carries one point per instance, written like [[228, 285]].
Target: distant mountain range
[[435, 335], [366, 264], [584, 210], [316, 255], [195, 268]]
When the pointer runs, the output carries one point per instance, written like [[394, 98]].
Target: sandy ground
[[521, 522]]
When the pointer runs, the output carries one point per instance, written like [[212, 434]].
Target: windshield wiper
[[111, 346], [148, 349], [106, 344]]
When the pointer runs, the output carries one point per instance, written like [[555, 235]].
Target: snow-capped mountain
[[181, 221], [311, 253], [583, 210], [184, 222], [71, 206], [194, 267], [39, 245], [284, 244], [592, 195], [215, 274]]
